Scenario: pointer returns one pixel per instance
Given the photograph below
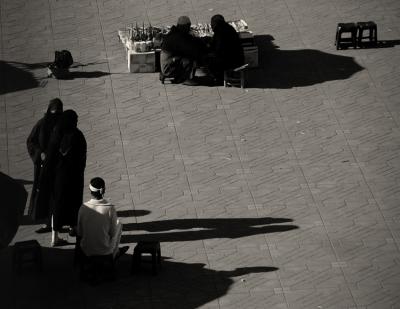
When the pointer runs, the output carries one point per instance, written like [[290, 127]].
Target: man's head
[[55, 106], [217, 19], [97, 187], [184, 23]]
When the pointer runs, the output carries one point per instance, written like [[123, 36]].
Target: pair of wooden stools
[[355, 34]]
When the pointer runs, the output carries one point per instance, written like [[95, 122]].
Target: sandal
[[44, 229], [59, 243]]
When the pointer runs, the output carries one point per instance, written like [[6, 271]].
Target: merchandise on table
[[146, 38], [204, 30], [141, 39], [239, 25], [143, 43]]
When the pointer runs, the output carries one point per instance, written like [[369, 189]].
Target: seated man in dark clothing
[[226, 49], [179, 53]]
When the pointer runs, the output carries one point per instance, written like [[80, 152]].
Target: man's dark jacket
[[226, 46], [181, 44]]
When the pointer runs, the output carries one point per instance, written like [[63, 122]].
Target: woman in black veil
[[38, 149], [68, 156]]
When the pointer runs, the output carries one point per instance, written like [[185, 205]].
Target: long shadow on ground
[[283, 69], [177, 285], [198, 229], [14, 77]]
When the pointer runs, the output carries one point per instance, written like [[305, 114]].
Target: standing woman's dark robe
[[70, 162], [38, 143]]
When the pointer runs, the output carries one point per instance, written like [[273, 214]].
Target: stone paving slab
[[282, 195]]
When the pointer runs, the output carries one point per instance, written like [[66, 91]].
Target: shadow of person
[[199, 229], [381, 44], [13, 201], [15, 77], [177, 285], [81, 74], [77, 64], [283, 69], [24, 181], [132, 213]]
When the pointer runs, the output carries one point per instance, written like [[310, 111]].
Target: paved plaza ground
[[283, 195]]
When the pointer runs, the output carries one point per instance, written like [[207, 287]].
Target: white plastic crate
[[141, 62]]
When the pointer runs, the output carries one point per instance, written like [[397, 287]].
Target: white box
[[141, 62], [251, 56]]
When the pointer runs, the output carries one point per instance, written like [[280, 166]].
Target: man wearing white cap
[[98, 228]]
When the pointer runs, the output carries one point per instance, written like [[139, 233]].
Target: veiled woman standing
[[70, 161], [38, 148]]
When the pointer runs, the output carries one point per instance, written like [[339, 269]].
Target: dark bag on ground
[[63, 59], [60, 67]]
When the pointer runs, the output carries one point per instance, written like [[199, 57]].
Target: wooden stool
[[26, 252], [372, 32], [236, 77], [346, 28], [149, 247]]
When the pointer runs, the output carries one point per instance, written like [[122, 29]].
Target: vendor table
[[144, 56]]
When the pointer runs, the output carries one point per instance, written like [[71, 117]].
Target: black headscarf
[[55, 106], [68, 124], [51, 117], [216, 20]]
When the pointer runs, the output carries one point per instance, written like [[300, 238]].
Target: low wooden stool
[[94, 269], [149, 247], [372, 32], [26, 252], [346, 28], [236, 77]]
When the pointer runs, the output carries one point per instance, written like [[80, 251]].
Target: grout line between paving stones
[[188, 182], [116, 109], [381, 97], [250, 191], [358, 165], [265, 237], [302, 171], [348, 144], [308, 185], [52, 42], [312, 196]]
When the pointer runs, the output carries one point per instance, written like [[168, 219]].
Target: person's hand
[[42, 156]]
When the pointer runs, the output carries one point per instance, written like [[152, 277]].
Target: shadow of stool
[[372, 36], [146, 247], [343, 28], [236, 77], [28, 251]]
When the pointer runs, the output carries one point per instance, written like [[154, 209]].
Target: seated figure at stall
[[180, 52], [226, 51]]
